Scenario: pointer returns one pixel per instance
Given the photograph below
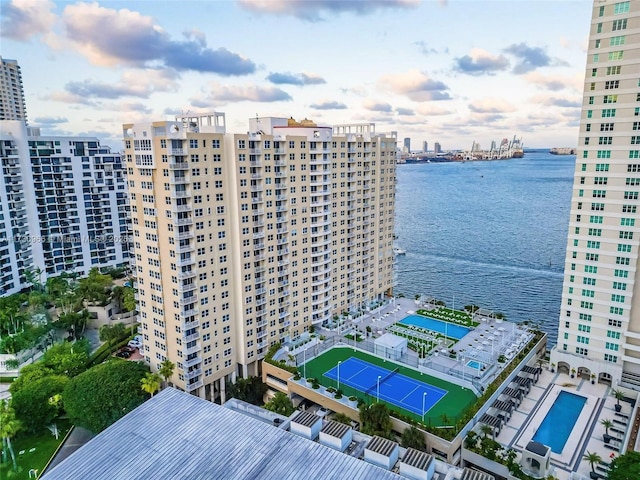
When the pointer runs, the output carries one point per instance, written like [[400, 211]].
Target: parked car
[[123, 354], [134, 344]]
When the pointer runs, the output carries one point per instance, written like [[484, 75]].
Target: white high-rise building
[[246, 240], [12, 104], [64, 205], [599, 329]]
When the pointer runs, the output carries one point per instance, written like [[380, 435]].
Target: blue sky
[[450, 72]]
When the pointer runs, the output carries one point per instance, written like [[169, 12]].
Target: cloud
[[107, 37], [481, 62], [432, 110], [133, 83], [377, 106], [405, 111], [328, 105], [237, 93], [426, 49], [66, 97], [315, 10], [531, 58], [555, 82], [416, 85], [491, 106], [295, 78], [557, 101], [23, 19], [134, 107], [50, 120]]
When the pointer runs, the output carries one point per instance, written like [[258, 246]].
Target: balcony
[[255, 151], [183, 221], [189, 387], [185, 235], [177, 151], [191, 350], [192, 373], [185, 313], [190, 363], [178, 166]]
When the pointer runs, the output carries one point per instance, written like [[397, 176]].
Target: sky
[[452, 72]]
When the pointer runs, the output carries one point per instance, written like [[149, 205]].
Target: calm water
[[489, 233]]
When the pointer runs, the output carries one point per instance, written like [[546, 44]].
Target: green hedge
[[104, 352], [7, 379], [278, 363]]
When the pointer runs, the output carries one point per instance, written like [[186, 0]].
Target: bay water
[[491, 233]]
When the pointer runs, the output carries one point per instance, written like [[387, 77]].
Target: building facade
[[599, 328], [245, 240], [64, 206], [12, 104]]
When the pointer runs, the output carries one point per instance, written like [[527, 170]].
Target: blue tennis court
[[394, 388]]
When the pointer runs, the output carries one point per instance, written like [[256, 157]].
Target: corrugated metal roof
[[335, 429], [381, 445], [469, 474], [175, 435], [417, 459], [306, 419], [512, 392]]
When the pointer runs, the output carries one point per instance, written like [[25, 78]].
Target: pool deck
[[587, 432]]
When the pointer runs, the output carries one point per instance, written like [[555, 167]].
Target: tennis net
[[382, 380]]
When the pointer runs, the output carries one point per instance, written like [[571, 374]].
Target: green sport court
[[358, 377]]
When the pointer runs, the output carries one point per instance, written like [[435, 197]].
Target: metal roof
[[306, 419], [524, 382], [469, 474], [417, 459], [335, 429], [491, 420], [380, 445], [175, 435], [532, 370], [504, 406]]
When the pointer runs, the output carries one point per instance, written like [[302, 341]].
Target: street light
[[378, 388], [424, 397], [339, 375]]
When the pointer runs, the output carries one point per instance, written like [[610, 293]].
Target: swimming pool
[[560, 420], [475, 364], [450, 329]]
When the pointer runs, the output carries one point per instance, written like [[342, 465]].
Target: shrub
[[353, 399]]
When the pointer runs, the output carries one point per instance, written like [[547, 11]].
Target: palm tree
[[9, 426], [486, 430], [151, 383], [607, 424], [166, 370], [593, 459], [619, 394]]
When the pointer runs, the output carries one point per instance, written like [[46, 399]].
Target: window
[[614, 70], [617, 55], [621, 7], [608, 112], [610, 99], [607, 127], [615, 42], [619, 25]]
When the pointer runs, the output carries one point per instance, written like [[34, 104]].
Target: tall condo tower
[[246, 240], [599, 328], [12, 104], [64, 206]]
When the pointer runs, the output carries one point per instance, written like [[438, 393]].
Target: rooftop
[[306, 419], [335, 429], [382, 446], [177, 435], [417, 459]]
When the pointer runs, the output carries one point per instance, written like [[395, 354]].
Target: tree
[[593, 459], [111, 333], [166, 370], [129, 299], [249, 390], [150, 383], [9, 427], [486, 430], [471, 440], [96, 287], [625, 467], [413, 438], [280, 403], [375, 420], [607, 424], [35, 404], [102, 395], [619, 395], [10, 314], [117, 296], [342, 418]]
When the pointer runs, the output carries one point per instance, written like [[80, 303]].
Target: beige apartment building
[[245, 240], [12, 104], [599, 329]]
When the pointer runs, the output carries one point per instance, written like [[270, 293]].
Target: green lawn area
[[45, 445], [449, 315], [453, 404]]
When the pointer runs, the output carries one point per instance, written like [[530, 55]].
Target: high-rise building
[[246, 240], [599, 328], [12, 105], [64, 206], [407, 145], [425, 146], [437, 148]]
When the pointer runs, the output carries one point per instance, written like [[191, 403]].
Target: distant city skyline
[[448, 72]]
